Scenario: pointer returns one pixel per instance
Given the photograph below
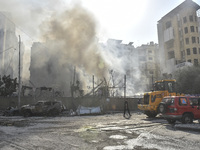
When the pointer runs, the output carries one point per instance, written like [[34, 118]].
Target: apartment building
[[178, 37], [9, 47], [148, 62]]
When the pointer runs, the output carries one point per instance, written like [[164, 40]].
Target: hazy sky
[[127, 20], [130, 20]]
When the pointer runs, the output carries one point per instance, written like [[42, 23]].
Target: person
[[126, 110]]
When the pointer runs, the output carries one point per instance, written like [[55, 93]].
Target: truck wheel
[[187, 118], [27, 114], [53, 112], [171, 121], [151, 114]]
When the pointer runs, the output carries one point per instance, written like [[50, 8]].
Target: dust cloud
[[69, 40]]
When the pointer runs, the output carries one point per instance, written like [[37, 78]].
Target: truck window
[[153, 98], [168, 101], [170, 86], [159, 86], [146, 99], [183, 101], [193, 101]]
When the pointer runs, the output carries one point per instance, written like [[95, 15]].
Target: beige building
[[178, 36], [148, 62]]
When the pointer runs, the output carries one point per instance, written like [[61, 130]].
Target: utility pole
[[19, 85]]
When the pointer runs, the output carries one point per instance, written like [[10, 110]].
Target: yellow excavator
[[151, 100]]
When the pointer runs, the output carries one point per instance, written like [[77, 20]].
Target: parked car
[[11, 111], [180, 108], [50, 108]]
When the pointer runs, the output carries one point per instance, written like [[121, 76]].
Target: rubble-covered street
[[107, 132]]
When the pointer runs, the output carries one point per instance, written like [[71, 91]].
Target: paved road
[[105, 132]]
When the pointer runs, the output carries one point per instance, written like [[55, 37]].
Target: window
[[191, 18], [168, 101], [194, 101], [153, 98], [187, 40], [199, 50], [171, 55], [188, 51], [194, 50], [193, 39], [183, 101], [168, 24], [198, 40], [150, 58], [192, 28], [196, 62], [197, 29], [186, 30], [184, 19], [189, 60], [195, 17], [149, 51], [182, 54], [170, 44]]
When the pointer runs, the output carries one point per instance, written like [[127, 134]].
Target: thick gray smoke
[[74, 35], [69, 40]]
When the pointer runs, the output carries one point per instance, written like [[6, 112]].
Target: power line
[[7, 49], [17, 26]]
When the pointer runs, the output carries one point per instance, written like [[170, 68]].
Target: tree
[[188, 80]]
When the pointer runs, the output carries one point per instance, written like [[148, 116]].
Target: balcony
[[168, 34]]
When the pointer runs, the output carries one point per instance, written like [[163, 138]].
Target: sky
[[130, 20], [127, 20]]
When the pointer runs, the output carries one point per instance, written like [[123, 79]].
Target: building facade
[[149, 64], [9, 47], [178, 36]]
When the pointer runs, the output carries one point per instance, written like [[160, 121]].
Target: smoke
[[123, 59], [69, 40], [74, 32]]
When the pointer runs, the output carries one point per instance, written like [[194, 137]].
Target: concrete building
[[148, 63], [178, 36], [9, 47], [141, 64]]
